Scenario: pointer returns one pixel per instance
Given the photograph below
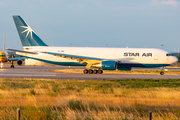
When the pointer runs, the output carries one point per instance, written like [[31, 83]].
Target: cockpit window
[[169, 54]]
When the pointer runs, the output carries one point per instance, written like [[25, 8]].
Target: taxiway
[[42, 72]]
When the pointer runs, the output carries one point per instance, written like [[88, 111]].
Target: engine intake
[[19, 62]]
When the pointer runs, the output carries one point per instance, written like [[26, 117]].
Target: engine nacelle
[[109, 65], [19, 62]]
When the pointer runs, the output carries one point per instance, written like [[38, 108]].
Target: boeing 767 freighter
[[90, 57]]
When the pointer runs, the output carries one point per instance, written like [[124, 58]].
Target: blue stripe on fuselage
[[120, 65]]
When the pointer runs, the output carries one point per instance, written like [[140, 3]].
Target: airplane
[[4, 59], [90, 57]]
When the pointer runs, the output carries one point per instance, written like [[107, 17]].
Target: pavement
[[42, 72]]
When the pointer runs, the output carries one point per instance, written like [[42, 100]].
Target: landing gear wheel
[[12, 66], [162, 73], [95, 71], [100, 71], [85, 71], [91, 71]]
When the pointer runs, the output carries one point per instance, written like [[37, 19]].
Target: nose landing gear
[[12, 66], [162, 71]]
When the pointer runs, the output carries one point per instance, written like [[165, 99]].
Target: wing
[[71, 56], [89, 61]]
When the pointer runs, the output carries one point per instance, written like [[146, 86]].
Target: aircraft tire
[[91, 71], [100, 71], [95, 71], [85, 71], [161, 73]]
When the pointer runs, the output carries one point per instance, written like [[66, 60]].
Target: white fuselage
[[127, 57]]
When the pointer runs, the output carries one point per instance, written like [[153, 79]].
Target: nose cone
[[173, 59]]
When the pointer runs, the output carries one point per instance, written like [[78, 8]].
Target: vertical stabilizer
[[28, 37]]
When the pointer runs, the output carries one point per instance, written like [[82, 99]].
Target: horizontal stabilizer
[[21, 51], [17, 58]]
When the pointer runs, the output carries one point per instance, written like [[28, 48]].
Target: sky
[[99, 23]]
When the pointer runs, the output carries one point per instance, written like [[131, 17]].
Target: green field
[[125, 99]]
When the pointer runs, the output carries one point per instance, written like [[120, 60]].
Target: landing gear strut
[[12, 66], [90, 71]]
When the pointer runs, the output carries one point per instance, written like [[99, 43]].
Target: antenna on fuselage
[[4, 43]]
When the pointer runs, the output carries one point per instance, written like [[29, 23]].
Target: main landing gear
[[12, 66], [95, 71]]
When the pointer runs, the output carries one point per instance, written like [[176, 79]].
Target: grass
[[90, 99], [140, 71]]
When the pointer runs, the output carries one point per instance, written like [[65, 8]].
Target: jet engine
[[107, 65], [19, 62]]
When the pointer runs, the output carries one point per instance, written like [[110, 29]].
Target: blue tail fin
[[27, 35]]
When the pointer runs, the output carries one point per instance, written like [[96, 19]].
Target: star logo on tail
[[28, 29]]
